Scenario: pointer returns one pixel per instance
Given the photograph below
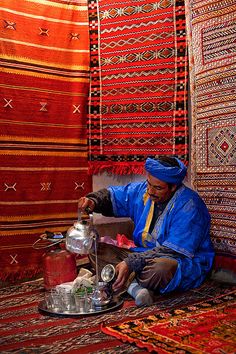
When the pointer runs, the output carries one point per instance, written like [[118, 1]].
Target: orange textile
[[44, 90]]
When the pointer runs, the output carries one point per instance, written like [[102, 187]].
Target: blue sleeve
[[188, 227], [126, 199]]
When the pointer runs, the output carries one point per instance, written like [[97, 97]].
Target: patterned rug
[[211, 32], [23, 329], [206, 327], [43, 157], [138, 93]]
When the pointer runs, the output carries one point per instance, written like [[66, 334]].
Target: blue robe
[[184, 227]]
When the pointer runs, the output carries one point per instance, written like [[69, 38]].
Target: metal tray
[[113, 305]]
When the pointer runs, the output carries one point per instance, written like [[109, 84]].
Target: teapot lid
[[108, 273]]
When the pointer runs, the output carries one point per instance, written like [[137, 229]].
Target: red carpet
[[24, 330], [138, 97], [205, 327], [43, 156]]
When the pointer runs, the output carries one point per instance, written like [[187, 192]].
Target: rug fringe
[[116, 168]]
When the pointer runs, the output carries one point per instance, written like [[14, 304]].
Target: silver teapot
[[102, 295], [103, 292], [80, 238]]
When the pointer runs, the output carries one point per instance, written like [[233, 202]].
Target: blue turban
[[169, 174]]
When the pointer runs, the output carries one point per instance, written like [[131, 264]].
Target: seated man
[[173, 247]]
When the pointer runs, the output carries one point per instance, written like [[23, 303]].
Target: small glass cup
[[83, 299], [53, 300], [90, 305], [81, 303], [67, 299]]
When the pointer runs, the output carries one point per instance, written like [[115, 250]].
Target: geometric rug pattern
[[138, 91], [206, 327], [44, 85], [211, 35]]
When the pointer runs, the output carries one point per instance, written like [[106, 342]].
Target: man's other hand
[[86, 205], [122, 273]]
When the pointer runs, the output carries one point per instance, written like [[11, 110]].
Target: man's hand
[[122, 272], [86, 205]]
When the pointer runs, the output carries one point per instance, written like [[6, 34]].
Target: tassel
[[122, 168]]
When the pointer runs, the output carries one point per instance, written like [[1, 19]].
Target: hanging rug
[[138, 91]]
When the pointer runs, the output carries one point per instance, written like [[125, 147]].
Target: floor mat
[[24, 329]]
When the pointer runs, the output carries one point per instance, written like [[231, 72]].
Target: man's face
[[159, 191]]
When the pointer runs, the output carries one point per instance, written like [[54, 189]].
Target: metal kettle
[[81, 237]]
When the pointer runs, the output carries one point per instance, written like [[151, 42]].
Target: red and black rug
[[138, 91], [205, 327]]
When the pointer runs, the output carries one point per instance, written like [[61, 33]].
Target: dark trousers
[[156, 274]]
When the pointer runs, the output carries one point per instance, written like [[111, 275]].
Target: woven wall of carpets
[[211, 31]]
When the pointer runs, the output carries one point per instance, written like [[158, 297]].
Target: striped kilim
[[212, 34], [138, 96], [23, 329], [43, 158]]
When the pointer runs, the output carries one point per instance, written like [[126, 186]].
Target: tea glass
[[53, 300], [83, 300], [67, 299]]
